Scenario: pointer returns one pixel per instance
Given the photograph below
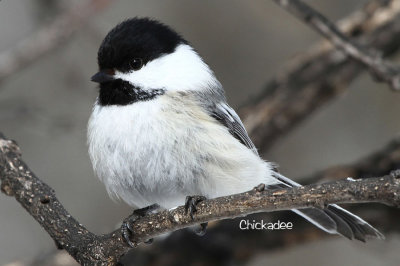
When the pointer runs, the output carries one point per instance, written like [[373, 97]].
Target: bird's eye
[[136, 63]]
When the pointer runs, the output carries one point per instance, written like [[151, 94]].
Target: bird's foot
[[191, 204], [126, 227], [191, 207], [200, 229], [260, 187]]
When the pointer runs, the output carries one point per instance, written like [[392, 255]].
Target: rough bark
[[40, 201], [320, 75], [382, 70], [311, 81]]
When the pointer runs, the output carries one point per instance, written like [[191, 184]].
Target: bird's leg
[[260, 187], [126, 227], [191, 204], [191, 207]]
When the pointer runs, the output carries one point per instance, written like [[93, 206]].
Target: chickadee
[[161, 129]]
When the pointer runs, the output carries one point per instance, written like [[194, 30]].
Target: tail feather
[[334, 219], [361, 228], [319, 218], [343, 228]]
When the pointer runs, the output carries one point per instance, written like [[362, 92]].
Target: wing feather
[[228, 117]]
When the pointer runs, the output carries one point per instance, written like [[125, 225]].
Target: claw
[[149, 241], [191, 204], [191, 207], [127, 229], [260, 187], [201, 229]]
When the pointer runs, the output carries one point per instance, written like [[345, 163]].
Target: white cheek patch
[[181, 70]]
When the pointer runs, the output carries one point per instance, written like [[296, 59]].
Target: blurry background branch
[[39, 200], [309, 82], [375, 164], [381, 69], [244, 245], [49, 37], [319, 76]]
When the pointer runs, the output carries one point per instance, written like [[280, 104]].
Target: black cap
[[142, 38]]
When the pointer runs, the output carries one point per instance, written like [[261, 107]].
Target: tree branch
[[40, 201], [49, 37], [375, 164], [383, 70], [239, 246], [320, 75]]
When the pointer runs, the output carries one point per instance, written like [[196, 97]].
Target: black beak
[[101, 77]]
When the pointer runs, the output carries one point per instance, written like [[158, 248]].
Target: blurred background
[[45, 107]]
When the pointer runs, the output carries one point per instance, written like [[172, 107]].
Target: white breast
[[162, 150]]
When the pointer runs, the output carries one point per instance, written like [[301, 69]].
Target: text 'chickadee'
[[161, 129]]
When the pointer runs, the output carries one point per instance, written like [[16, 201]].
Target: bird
[[161, 131]]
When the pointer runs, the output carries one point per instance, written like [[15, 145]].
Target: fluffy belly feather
[[162, 151]]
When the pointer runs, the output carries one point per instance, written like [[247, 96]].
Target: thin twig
[[245, 245], [320, 75], [383, 70], [376, 164], [49, 37], [87, 248]]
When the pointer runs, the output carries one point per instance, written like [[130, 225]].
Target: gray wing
[[228, 117], [332, 219]]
